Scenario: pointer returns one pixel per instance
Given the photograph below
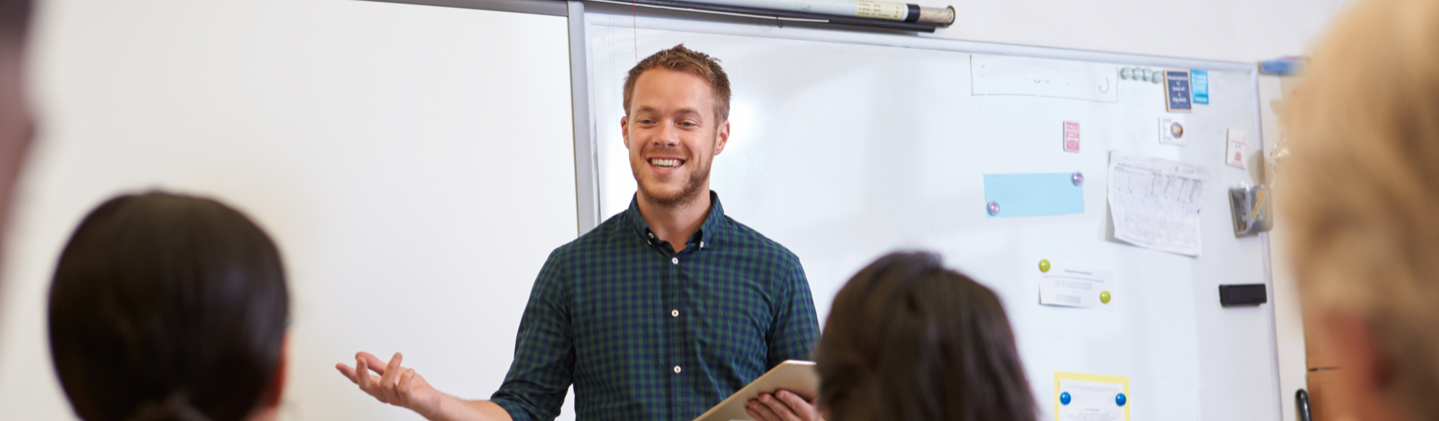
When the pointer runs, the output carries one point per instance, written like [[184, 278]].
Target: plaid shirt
[[645, 333]]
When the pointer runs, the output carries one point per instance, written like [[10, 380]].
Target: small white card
[[1171, 130], [1076, 286], [1234, 153], [1081, 400]]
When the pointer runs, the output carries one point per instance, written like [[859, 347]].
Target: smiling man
[[663, 310]]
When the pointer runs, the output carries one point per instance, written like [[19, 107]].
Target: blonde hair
[[681, 59], [1361, 191]]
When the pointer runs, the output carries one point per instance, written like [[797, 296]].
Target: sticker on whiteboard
[[1091, 397], [1171, 130], [1071, 136], [1234, 152]]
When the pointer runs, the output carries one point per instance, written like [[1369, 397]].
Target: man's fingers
[[374, 363], [392, 374], [782, 411], [798, 404], [405, 382], [362, 374], [761, 412], [348, 372], [391, 371]]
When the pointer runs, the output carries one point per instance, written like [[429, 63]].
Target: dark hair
[[908, 340], [681, 59], [168, 307], [14, 18]]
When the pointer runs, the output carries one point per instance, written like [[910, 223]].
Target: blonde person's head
[[1360, 195]]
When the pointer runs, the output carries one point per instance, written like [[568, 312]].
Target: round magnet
[[1126, 74], [1044, 265], [1104, 297], [1146, 74], [1158, 77], [1120, 399], [1077, 178], [994, 208], [1064, 398]]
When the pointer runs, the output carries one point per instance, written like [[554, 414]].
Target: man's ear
[[721, 137], [625, 130], [276, 389]]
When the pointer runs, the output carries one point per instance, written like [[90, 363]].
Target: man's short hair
[[681, 59]]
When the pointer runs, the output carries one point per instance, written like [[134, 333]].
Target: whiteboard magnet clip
[[993, 208], [1120, 399], [1077, 178]]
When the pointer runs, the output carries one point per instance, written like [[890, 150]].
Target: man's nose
[[668, 136]]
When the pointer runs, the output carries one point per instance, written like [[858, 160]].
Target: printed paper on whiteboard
[[1091, 397], [1155, 202], [1076, 286]]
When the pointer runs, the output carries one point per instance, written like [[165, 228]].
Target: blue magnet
[[994, 208], [1120, 399], [1064, 398], [1077, 178]]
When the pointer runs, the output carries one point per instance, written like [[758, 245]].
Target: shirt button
[[702, 244], [677, 369], [675, 260], [652, 235], [674, 313]]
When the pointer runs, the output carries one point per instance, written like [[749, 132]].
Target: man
[[663, 310], [15, 126]]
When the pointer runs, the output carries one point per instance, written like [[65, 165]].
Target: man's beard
[[685, 196]]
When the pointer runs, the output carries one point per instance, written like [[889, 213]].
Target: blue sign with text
[[1177, 82], [1199, 80]]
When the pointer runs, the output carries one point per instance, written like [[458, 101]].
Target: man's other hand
[[782, 406], [396, 385]]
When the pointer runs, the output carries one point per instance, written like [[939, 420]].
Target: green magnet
[[1104, 297], [1044, 265]]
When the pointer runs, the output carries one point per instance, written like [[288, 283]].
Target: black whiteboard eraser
[[1242, 295]]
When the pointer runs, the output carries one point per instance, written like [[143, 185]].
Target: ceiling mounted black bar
[[781, 15]]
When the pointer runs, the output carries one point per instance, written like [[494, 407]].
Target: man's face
[[673, 135]]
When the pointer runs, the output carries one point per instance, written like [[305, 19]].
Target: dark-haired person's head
[[15, 125], [169, 307], [909, 340]]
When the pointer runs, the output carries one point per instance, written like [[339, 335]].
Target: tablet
[[792, 375]]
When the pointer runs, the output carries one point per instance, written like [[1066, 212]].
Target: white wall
[[415, 165]]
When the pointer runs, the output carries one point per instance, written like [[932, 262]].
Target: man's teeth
[[665, 162]]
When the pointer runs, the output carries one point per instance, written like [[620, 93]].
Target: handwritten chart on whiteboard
[[1156, 202]]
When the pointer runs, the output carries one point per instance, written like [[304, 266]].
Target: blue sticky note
[[1035, 194], [1199, 82]]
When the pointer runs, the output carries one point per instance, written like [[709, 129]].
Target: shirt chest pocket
[[732, 328]]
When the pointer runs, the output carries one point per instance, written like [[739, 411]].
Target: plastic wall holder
[[1249, 205]]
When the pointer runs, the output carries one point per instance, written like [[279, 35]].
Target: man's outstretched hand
[[395, 384], [783, 405]]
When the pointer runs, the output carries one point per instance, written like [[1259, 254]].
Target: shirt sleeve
[[795, 329], [544, 361]]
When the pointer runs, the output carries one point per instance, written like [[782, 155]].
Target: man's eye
[[688, 124]]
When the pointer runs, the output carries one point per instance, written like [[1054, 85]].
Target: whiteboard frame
[[586, 149]]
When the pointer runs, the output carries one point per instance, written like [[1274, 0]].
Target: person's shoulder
[[742, 236], [600, 237]]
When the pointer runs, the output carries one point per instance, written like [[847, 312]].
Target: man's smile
[[666, 163]]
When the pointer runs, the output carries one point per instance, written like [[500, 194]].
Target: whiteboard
[[843, 151]]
